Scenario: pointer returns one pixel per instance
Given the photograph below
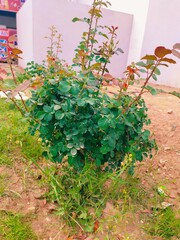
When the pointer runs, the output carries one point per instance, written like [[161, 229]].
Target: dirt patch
[[164, 112], [23, 195]]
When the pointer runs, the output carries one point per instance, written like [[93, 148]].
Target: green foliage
[[86, 125], [13, 226], [164, 223], [76, 119]]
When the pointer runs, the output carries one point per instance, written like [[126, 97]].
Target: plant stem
[[109, 54], [93, 37], [22, 100], [76, 223], [142, 88], [11, 68], [15, 103], [90, 24]]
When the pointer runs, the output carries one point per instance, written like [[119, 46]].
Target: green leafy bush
[[75, 118], [86, 125]]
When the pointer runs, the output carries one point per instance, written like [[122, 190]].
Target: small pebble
[[170, 111]]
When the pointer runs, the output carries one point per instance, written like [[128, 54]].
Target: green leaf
[[154, 77], [73, 152], [102, 60], [98, 162], [151, 90], [142, 70], [146, 134], [47, 108], [141, 64], [64, 86], [83, 215], [70, 145], [75, 90], [57, 107], [80, 102], [128, 123], [103, 34], [75, 19], [91, 101], [48, 117], [54, 151], [40, 115], [157, 71], [103, 123], [104, 149], [59, 115], [105, 111], [111, 142]]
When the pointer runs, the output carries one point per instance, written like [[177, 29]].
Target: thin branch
[[15, 103], [12, 71], [93, 37], [142, 88], [23, 102]]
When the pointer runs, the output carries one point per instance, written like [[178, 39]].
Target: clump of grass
[[2, 185], [15, 141], [14, 227], [164, 223], [82, 195]]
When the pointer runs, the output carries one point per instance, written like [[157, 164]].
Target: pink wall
[[162, 29], [60, 13], [25, 33]]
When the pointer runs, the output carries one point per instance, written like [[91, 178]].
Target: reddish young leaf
[[16, 51], [160, 52], [149, 57], [163, 64], [169, 60], [125, 85], [148, 66]]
